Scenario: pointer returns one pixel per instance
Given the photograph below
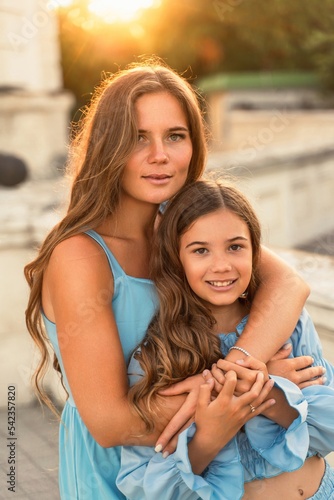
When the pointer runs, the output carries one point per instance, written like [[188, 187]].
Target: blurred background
[[266, 72]]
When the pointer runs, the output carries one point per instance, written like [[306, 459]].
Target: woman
[[206, 269], [141, 140]]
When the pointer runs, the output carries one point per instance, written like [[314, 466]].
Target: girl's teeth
[[221, 283]]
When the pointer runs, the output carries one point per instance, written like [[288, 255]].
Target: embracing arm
[[77, 293], [275, 309]]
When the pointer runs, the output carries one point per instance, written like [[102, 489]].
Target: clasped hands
[[228, 394]]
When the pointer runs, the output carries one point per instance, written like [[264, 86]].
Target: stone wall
[[291, 188], [34, 109]]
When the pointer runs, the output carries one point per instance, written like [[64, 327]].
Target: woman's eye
[[176, 137]]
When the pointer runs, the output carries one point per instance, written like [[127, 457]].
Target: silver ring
[[252, 408]]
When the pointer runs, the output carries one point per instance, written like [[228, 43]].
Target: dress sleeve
[[146, 474], [320, 398], [284, 449]]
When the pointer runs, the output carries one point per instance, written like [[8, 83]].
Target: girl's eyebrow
[[230, 240], [238, 238], [196, 243]]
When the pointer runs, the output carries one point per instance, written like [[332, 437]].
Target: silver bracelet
[[239, 349]]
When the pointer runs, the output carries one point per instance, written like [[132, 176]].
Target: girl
[[206, 269], [141, 140]]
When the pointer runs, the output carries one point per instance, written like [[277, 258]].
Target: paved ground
[[36, 450]]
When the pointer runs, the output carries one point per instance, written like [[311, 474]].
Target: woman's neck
[[128, 232], [131, 221]]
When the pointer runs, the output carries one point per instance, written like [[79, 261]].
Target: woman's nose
[[157, 153]]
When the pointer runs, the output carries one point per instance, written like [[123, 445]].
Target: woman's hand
[[167, 441], [219, 419]]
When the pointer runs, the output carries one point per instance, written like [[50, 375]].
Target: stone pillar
[[34, 109]]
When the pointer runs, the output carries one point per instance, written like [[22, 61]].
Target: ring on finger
[[252, 408]]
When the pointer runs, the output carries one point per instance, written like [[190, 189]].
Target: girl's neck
[[228, 317]]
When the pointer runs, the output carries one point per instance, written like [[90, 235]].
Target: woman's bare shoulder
[[77, 245], [79, 256]]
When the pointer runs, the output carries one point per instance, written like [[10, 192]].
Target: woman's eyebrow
[[171, 129]]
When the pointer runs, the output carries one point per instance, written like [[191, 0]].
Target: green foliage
[[201, 37]]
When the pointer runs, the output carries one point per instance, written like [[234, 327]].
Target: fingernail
[[323, 370], [324, 380], [205, 373], [158, 448], [165, 454], [286, 346]]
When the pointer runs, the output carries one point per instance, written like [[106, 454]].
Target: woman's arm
[[275, 309], [77, 294]]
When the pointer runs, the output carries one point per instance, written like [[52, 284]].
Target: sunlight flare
[[116, 10]]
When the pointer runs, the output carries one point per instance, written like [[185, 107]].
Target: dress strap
[[114, 265]]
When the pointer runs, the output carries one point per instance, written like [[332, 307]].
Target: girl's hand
[[167, 441], [227, 413], [246, 370], [297, 370], [218, 420]]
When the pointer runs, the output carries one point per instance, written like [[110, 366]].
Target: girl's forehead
[[219, 222]]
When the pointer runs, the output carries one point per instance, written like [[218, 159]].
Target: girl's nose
[[221, 264]]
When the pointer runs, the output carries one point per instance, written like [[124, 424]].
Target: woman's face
[[216, 254], [158, 167]]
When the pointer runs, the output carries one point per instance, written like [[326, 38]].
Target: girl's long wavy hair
[[104, 140], [180, 341]]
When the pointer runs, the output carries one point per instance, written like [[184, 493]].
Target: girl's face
[[159, 165], [216, 254]]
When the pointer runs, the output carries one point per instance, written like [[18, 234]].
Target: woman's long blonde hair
[[180, 341], [105, 138]]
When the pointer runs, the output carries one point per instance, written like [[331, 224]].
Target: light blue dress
[[264, 450], [86, 470]]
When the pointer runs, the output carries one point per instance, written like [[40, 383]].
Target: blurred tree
[[320, 44], [203, 36]]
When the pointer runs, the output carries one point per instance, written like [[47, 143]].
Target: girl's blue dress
[[86, 470], [264, 450]]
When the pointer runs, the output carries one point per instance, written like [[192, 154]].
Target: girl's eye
[[235, 247], [200, 251], [141, 138]]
